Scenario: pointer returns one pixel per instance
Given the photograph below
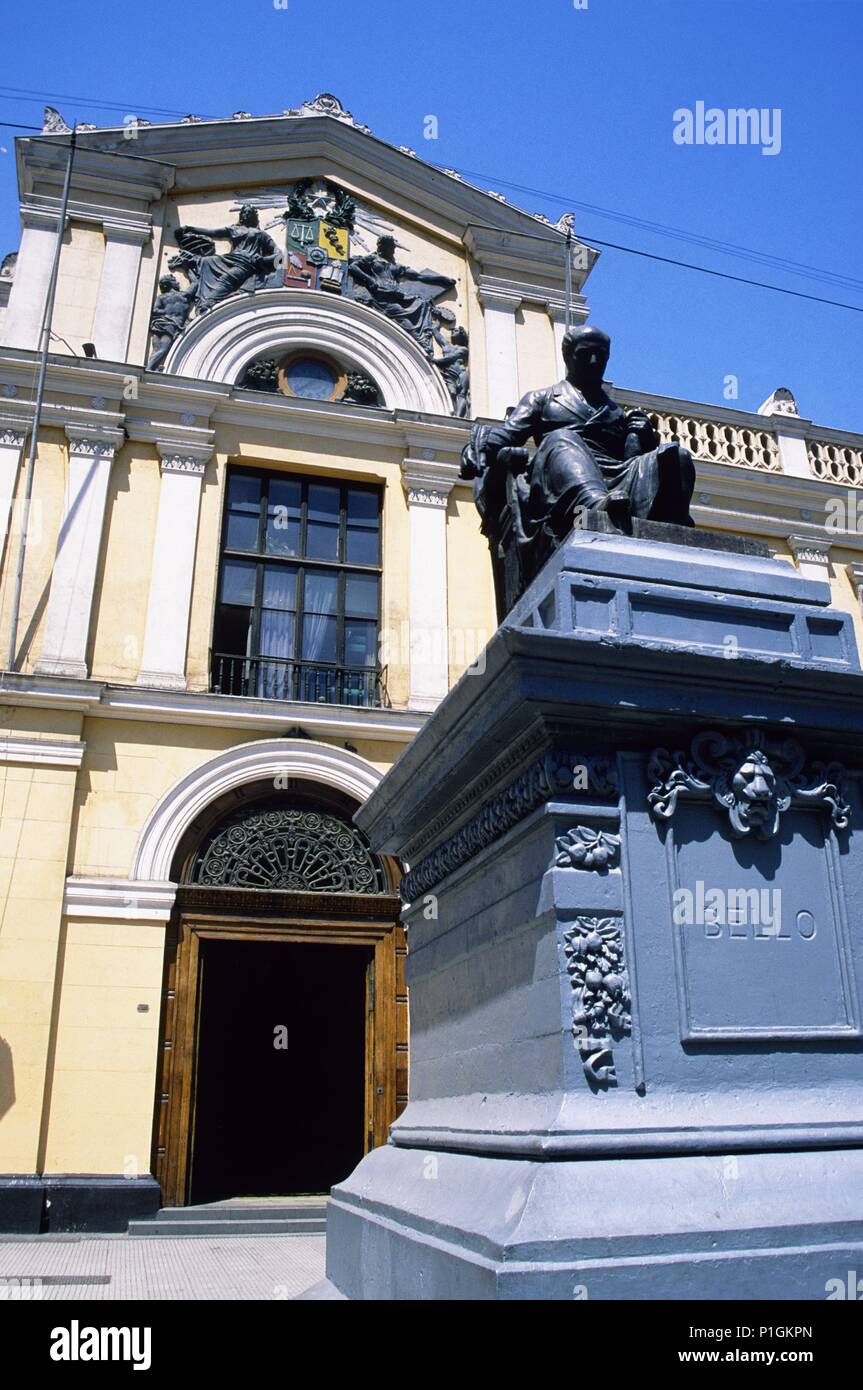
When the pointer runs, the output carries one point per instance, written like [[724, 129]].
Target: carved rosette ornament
[[752, 778], [601, 1012]]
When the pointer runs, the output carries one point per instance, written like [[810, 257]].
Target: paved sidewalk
[[192, 1267]]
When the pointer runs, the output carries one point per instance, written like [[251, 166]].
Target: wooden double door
[[284, 1042]]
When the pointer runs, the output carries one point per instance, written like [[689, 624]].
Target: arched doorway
[[284, 1015]]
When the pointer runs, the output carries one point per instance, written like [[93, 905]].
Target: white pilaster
[[29, 290], [500, 310], [11, 445], [163, 662], [73, 580], [112, 321], [812, 556], [427, 494]]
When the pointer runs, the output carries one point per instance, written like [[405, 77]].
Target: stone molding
[[123, 899], [549, 776], [42, 752], [184, 463], [218, 346], [262, 761]]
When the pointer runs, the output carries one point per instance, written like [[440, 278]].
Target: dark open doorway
[[268, 1119]]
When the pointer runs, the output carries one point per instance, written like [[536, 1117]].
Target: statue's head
[[459, 336], [585, 352], [168, 282], [248, 215], [387, 247]]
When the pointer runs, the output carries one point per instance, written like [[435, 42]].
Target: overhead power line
[[709, 243]]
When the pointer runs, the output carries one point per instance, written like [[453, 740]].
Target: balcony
[[316, 683]]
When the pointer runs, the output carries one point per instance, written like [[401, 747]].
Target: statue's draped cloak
[[578, 458], [223, 274]]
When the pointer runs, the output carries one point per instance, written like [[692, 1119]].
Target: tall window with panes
[[298, 613]]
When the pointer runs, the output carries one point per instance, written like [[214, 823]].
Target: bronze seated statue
[[592, 456]]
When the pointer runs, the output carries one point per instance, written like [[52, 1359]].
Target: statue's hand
[[640, 424]]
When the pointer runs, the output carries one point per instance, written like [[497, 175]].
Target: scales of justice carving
[[327, 247], [592, 458]]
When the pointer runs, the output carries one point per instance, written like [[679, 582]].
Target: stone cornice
[[491, 287], [443, 202], [199, 708], [42, 210], [123, 899], [51, 752], [500, 299]]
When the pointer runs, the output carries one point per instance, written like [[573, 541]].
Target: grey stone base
[[412, 1224]]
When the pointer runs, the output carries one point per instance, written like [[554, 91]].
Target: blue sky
[[576, 102]]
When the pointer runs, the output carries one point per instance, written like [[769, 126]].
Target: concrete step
[[238, 1217], [177, 1229]]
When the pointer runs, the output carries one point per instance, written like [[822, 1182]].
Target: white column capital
[[13, 436], [42, 218], [811, 555], [507, 301], [137, 233], [93, 441], [809, 547], [427, 484], [180, 456]]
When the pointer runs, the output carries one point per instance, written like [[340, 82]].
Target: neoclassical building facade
[[251, 571]]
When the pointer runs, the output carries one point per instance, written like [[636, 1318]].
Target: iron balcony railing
[[311, 682]]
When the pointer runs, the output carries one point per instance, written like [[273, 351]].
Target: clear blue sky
[[578, 102]]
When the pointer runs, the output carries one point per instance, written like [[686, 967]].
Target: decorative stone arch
[[257, 762], [219, 345]]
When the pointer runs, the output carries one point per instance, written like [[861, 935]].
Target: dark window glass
[[299, 609], [362, 547], [361, 643], [242, 532], [284, 503], [361, 595], [238, 582]]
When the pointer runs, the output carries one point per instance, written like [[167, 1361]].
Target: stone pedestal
[[635, 959]]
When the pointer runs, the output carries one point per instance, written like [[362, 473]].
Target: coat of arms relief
[[314, 237]]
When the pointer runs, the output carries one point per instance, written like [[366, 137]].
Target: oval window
[[311, 378]]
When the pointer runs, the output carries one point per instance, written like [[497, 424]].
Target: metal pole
[[37, 411], [568, 323]]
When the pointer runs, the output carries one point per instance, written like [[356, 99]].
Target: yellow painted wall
[[472, 616], [537, 364], [78, 286], [107, 1049], [36, 804]]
